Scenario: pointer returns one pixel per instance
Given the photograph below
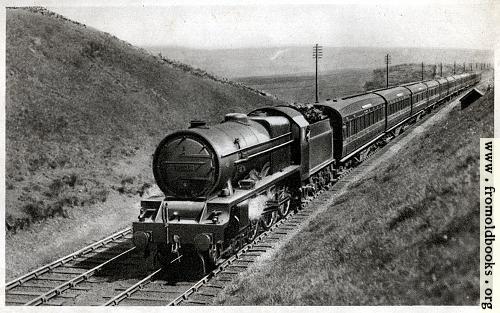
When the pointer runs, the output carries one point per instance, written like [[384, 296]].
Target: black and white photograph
[[249, 153]]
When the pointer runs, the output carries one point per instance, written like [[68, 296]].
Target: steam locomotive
[[222, 184]]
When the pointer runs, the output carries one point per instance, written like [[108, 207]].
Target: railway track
[[64, 280]]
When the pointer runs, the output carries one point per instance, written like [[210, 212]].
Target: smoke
[[277, 54], [256, 206]]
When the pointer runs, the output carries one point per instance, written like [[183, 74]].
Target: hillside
[[273, 61], [84, 111], [407, 234]]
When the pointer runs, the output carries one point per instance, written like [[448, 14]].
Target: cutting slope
[[85, 109]]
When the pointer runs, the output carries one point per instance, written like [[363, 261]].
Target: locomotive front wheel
[[203, 266]]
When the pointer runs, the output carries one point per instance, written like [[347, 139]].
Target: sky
[[443, 24]]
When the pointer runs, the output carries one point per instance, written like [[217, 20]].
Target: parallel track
[[45, 285]]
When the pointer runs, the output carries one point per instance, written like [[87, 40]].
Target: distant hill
[[247, 62], [335, 84], [85, 111], [301, 88], [406, 73]]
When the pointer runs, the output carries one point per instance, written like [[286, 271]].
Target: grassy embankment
[[406, 234], [85, 110]]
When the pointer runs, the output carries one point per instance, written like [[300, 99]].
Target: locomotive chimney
[[197, 123]]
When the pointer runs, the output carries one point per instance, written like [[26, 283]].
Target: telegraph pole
[[387, 62], [422, 70], [317, 54]]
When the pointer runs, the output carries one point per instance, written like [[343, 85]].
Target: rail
[[43, 269]]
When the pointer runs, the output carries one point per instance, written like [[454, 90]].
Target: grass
[[301, 88], [406, 73], [81, 103], [335, 84], [408, 234]]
